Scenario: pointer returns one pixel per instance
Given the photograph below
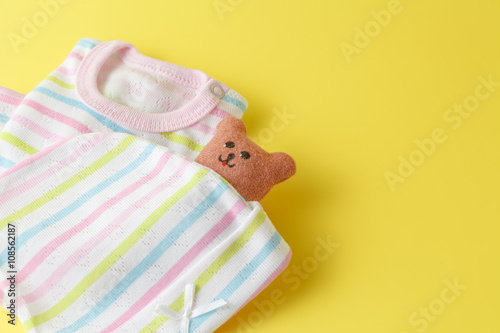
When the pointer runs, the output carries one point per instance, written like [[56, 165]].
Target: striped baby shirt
[[111, 87], [115, 233]]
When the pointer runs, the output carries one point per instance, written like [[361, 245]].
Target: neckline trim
[[208, 90]]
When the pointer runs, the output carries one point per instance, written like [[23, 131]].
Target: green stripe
[[218, 263], [154, 325], [16, 142], [182, 140], [52, 194], [114, 256], [61, 83]]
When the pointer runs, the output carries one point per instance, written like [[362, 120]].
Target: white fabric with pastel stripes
[[54, 110], [9, 100], [110, 227]]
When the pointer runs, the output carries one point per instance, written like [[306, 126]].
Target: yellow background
[[354, 116]]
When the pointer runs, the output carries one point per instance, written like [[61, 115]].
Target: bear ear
[[283, 167], [231, 125]]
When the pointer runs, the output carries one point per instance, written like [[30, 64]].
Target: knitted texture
[[9, 100], [110, 226], [111, 87]]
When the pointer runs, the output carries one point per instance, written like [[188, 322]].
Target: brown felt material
[[253, 176]]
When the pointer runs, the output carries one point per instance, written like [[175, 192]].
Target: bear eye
[[229, 144], [245, 155]]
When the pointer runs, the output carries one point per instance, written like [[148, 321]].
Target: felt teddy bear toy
[[247, 167]]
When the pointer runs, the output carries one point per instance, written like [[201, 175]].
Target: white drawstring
[[188, 312]]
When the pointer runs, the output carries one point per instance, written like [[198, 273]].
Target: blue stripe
[[82, 199], [4, 118], [86, 43], [242, 276], [234, 101], [149, 260], [73, 102], [6, 163]]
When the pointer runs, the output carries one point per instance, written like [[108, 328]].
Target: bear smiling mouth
[[226, 161]]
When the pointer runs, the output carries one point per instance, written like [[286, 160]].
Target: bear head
[[245, 165]]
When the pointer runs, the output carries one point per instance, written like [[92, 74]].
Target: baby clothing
[[116, 228], [111, 87], [9, 100], [115, 233]]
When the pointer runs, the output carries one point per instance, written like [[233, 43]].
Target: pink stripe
[[203, 128], [11, 93], [57, 116], [37, 179], [220, 113], [66, 71], [270, 279], [10, 100], [177, 269], [36, 128], [74, 55], [92, 243]]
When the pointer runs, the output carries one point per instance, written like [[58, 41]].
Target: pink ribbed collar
[[208, 91]]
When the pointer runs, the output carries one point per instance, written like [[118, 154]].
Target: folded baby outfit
[[111, 87], [112, 230], [116, 228]]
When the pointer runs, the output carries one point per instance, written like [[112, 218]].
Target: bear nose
[[230, 156]]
